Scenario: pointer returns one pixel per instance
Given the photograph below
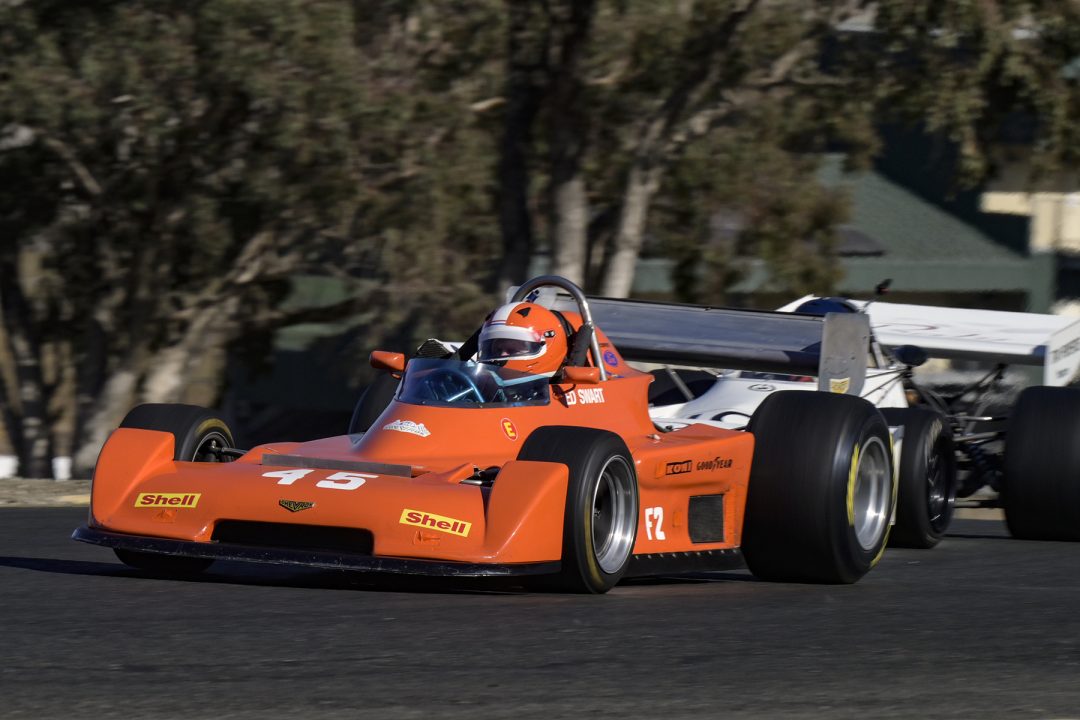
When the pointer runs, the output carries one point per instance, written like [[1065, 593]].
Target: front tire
[[927, 478], [1041, 480], [199, 436], [821, 488], [600, 520]]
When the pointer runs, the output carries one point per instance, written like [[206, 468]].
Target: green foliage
[[168, 135], [984, 74], [163, 159]]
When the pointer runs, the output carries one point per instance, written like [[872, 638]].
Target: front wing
[[308, 558]]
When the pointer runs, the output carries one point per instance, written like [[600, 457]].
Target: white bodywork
[[735, 395], [993, 336]]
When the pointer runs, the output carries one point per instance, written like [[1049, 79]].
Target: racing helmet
[[823, 305], [525, 337]]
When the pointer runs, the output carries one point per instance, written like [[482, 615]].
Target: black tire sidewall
[[188, 424], [585, 452], [1040, 488], [926, 432], [797, 524]]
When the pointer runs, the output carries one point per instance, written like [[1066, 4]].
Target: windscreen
[[434, 381]]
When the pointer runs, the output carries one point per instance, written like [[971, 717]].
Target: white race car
[[949, 446]]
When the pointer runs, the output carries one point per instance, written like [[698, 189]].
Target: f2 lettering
[[654, 523]]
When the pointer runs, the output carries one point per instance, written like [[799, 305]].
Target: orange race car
[[528, 450]]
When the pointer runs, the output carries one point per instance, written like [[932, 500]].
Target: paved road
[[981, 627]]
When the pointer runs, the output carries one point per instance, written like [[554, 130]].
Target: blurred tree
[[981, 75], [169, 165], [653, 83], [628, 88]]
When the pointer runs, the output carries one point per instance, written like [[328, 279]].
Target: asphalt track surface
[[981, 627]]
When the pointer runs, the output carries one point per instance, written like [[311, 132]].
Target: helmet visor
[[509, 349]]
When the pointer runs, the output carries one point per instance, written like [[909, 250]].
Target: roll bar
[[583, 307]]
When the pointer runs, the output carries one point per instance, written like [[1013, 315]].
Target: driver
[[525, 337]]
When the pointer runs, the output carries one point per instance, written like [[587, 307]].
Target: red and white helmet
[[524, 336]]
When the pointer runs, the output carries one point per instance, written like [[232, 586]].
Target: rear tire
[[821, 488], [1041, 480], [600, 521], [927, 478], [199, 436]]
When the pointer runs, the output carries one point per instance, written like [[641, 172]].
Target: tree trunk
[[568, 140], [570, 227], [31, 427], [525, 59], [90, 374], [114, 401], [641, 184], [9, 456], [191, 370]]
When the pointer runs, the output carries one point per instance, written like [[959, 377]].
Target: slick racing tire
[[1041, 480], [375, 398], [926, 490], [200, 436], [821, 491], [600, 522]]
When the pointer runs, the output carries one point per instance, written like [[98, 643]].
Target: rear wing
[[833, 347], [1014, 338]]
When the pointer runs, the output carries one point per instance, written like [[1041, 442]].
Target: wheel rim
[[613, 515], [938, 500], [209, 448], [873, 494]]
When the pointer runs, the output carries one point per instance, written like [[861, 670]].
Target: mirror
[[383, 360], [910, 355]]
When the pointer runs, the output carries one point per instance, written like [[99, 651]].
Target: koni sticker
[[678, 468], [422, 519], [177, 500]]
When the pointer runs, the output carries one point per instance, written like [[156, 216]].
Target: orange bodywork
[[421, 508]]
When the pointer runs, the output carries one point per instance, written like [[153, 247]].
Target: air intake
[[351, 541], [706, 518]]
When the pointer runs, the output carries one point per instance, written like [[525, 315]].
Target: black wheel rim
[[939, 495], [210, 448]]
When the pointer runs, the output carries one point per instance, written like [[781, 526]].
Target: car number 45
[[337, 481]]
